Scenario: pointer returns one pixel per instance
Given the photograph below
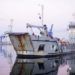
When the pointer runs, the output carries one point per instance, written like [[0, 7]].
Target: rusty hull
[[21, 41]]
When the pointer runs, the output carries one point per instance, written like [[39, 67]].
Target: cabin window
[[41, 47], [41, 66], [52, 46]]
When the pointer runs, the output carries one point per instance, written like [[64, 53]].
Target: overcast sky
[[57, 12]]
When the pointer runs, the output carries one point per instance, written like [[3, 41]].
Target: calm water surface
[[41, 66]]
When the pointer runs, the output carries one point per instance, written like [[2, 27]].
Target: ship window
[[41, 47], [56, 50], [41, 66], [52, 46]]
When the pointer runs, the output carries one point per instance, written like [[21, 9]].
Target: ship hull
[[31, 46], [36, 56], [32, 56]]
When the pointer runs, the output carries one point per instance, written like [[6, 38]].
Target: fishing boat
[[32, 45]]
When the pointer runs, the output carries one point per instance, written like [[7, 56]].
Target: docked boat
[[32, 45]]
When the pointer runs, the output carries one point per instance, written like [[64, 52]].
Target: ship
[[33, 45]]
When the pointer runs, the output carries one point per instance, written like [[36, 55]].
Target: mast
[[42, 14]]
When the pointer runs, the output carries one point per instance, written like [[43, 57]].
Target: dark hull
[[44, 56]]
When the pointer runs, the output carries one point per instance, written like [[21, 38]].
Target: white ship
[[33, 45]]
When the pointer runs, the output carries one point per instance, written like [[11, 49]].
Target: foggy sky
[[57, 12]]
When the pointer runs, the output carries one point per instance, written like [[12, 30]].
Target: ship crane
[[33, 26], [42, 32]]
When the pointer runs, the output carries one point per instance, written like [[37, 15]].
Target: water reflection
[[4, 66], [44, 66], [64, 68]]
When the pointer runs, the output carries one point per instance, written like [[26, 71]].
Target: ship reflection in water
[[64, 65]]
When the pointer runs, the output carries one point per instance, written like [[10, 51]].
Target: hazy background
[[57, 12]]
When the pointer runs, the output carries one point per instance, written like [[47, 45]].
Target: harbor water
[[60, 65]]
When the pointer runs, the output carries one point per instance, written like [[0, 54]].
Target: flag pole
[[42, 14]]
